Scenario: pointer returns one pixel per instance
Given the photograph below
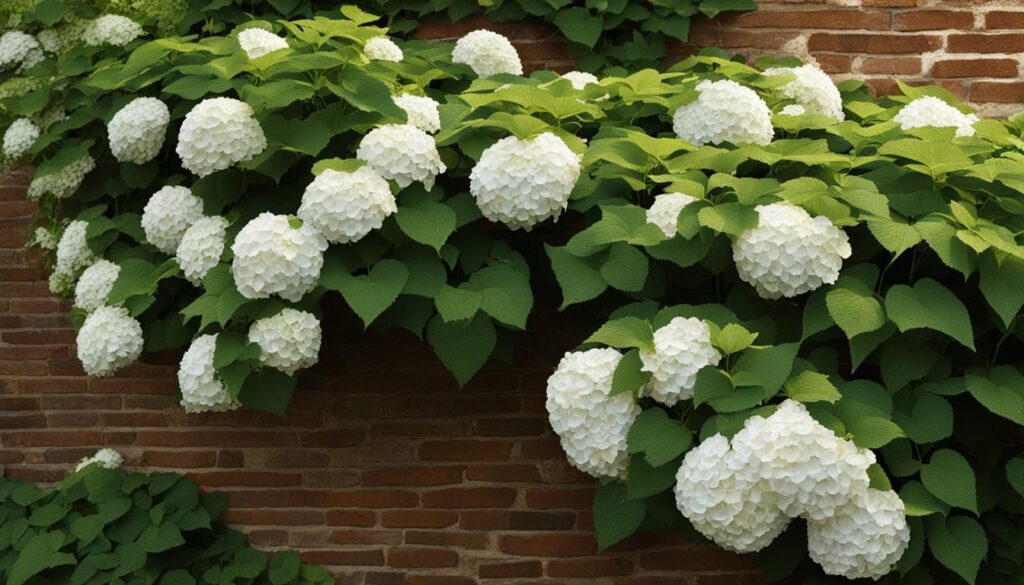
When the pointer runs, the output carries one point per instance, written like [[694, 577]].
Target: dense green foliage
[[914, 351], [110, 527]]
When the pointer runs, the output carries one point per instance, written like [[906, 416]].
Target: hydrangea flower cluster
[[812, 89], [44, 238], [289, 341], [201, 389], [664, 212], [168, 213], [95, 284], [19, 138], [217, 133], [108, 340], [422, 111], [681, 349], [73, 253], [344, 207], [382, 49], [19, 50], [789, 252], [257, 42], [105, 458], [932, 111], [201, 247], [788, 465], [63, 183], [136, 132], [793, 110], [580, 79], [111, 29], [402, 153], [724, 111], [487, 53], [275, 254], [523, 182], [591, 424]]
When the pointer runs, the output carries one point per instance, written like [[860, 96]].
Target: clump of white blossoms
[[73, 253], [422, 111], [136, 132], [591, 424], [724, 502], [105, 458], [789, 252], [681, 349], [201, 389], [864, 539], [289, 341], [108, 340], [44, 238], [932, 111], [18, 50], [168, 213], [95, 284], [521, 183], [111, 29], [487, 53], [664, 212], [344, 207], [19, 137], [724, 111], [257, 42], [813, 89], [51, 41], [580, 79], [382, 49], [812, 471], [793, 110], [217, 133], [201, 247], [63, 183], [402, 153], [275, 254]]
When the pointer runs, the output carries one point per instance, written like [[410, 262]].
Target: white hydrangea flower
[[201, 247], [789, 252], [932, 111], [812, 471], [422, 111], [724, 111], [50, 40], [664, 212], [724, 502], [95, 284], [136, 132], [344, 207], [580, 79], [62, 284], [17, 49], [201, 389], [681, 349], [382, 49], [793, 110], [272, 256], [864, 539], [217, 133], [168, 213], [108, 340], [105, 458], [63, 183], [44, 239], [289, 341], [257, 42], [591, 424], [19, 137], [111, 29], [487, 53], [402, 153], [523, 182], [73, 253], [813, 89]]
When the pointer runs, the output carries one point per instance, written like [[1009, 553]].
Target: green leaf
[[157, 539], [930, 420], [615, 515], [645, 480], [371, 294], [505, 293], [711, 384], [1002, 284], [959, 543], [1002, 392], [629, 375], [578, 280], [769, 366], [457, 304], [626, 332], [87, 528], [811, 387], [277, 94], [950, 478], [462, 347], [919, 501], [427, 222], [626, 268], [728, 218], [936, 158], [269, 390], [579, 25], [929, 305], [1015, 474], [895, 236], [39, 553], [733, 338], [854, 308], [658, 437], [873, 432]]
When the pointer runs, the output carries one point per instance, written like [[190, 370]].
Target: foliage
[[110, 527], [911, 351]]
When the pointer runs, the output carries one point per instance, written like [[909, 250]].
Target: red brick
[[874, 44], [350, 518], [959, 68], [482, 497], [546, 499], [891, 65], [421, 557], [986, 43], [548, 545], [827, 19], [510, 570], [918, 20], [696, 559], [596, 567], [418, 518], [504, 473], [472, 540], [460, 450], [413, 475], [1004, 19], [274, 517], [1008, 93], [344, 557]]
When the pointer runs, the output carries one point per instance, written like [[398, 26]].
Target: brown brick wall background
[[384, 470]]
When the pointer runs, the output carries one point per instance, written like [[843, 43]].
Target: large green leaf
[[462, 346], [950, 478], [958, 542], [578, 279], [615, 515], [371, 294], [427, 222], [929, 305]]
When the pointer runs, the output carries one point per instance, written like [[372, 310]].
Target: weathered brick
[[953, 68], [408, 557], [986, 43], [918, 20]]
